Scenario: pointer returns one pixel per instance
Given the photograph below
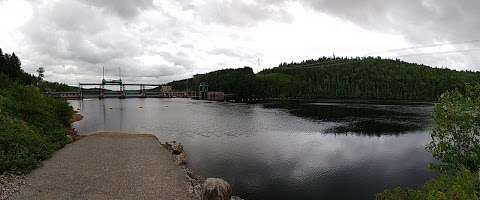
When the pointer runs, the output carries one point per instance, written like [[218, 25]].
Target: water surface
[[282, 150]]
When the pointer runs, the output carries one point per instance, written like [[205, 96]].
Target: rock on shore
[[199, 187]]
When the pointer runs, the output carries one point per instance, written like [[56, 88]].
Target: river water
[[283, 150]]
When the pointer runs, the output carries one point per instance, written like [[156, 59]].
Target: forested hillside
[[238, 81], [333, 77], [10, 65], [32, 126]]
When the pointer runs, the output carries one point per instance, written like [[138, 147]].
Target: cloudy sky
[[156, 41]]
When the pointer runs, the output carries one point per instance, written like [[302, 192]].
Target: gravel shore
[[108, 166], [9, 184]]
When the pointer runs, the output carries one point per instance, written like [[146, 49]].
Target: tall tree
[[41, 72]]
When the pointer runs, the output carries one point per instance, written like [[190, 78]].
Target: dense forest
[[32, 126], [335, 77]]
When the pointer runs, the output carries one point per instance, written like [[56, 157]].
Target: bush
[[32, 126], [456, 133], [20, 147], [456, 143], [464, 185]]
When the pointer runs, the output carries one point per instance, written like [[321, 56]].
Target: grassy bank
[[32, 126]]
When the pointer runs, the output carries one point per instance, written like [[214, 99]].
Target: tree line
[[336, 78], [10, 65]]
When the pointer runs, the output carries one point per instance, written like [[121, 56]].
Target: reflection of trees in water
[[362, 118], [378, 128]]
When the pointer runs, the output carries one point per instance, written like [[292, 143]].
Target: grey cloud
[[417, 20], [420, 21], [240, 13], [227, 52], [82, 18], [124, 8], [232, 53], [178, 59], [90, 33], [73, 43]]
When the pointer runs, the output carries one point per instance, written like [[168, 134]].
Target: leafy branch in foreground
[[456, 134], [456, 143], [464, 185]]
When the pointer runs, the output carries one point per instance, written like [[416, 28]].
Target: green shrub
[[20, 147], [464, 185], [456, 143], [456, 133], [32, 126]]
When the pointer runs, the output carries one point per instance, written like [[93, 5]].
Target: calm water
[[282, 150]]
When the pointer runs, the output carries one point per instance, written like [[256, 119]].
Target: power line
[[425, 46], [335, 62], [440, 52]]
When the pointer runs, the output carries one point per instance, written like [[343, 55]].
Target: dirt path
[[108, 166]]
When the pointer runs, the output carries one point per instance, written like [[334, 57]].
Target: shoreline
[[195, 183], [108, 162], [10, 182], [70, 132], [13, 184], [46, 177]]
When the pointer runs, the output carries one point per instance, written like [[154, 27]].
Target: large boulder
[[216, 189], [177, 148]]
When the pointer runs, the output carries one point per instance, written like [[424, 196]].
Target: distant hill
[[336, 78]]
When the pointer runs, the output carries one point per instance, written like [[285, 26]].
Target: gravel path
[[108, 166], [9, 184]]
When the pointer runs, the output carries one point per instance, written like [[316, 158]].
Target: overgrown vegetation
[[463, 185], [456, 135], [456, 143], [352, 78], [32, 126]]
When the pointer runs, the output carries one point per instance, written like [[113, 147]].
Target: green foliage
[[32, 126], [464, 185], [10, 65], [55, 87], [456, 143], [232, 81], [275, 85], [353, 78], [21, 148], [371, 78], [456, 133]]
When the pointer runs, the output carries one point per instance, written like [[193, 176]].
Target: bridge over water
[[98, 90]]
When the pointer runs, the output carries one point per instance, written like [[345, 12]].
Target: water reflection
[[363, 117], [280, 151]]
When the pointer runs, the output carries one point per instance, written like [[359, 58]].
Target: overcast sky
[[156, 41]]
